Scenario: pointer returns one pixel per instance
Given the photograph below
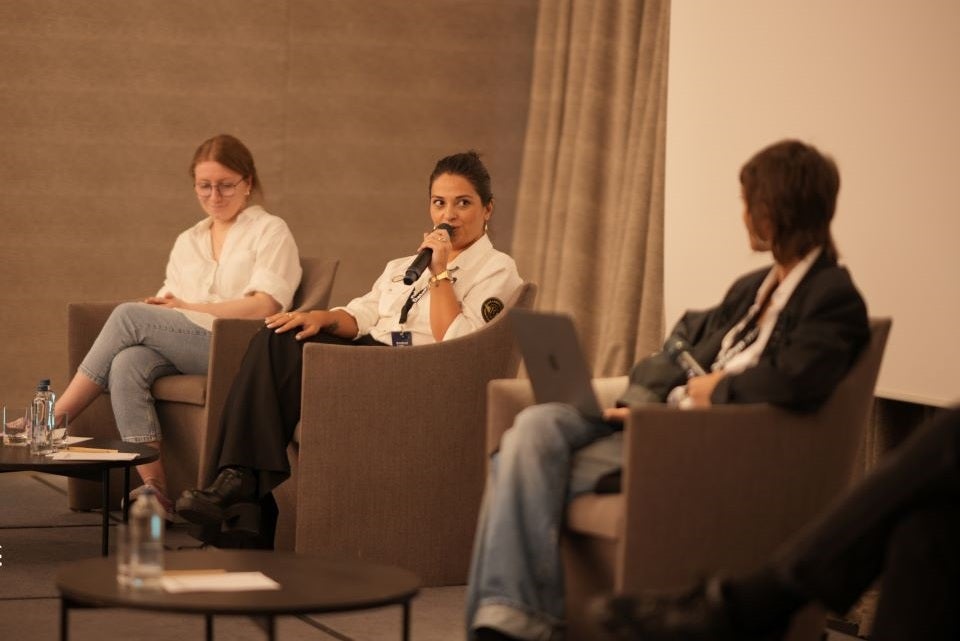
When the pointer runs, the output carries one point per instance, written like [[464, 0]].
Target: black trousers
[[901, 522], [263, 406]]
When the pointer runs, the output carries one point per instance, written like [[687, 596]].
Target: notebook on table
[[554, 360]]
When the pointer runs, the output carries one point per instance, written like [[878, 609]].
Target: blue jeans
[[549, 455], [138, 344]]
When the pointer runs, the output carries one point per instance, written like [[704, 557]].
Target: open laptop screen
[[554, 360]]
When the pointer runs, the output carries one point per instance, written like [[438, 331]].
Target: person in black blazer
[[785, 335], [900, 524], [818, 332]]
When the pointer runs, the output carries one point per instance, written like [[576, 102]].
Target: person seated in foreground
[[467, 285], [785, 335], [900, 524]]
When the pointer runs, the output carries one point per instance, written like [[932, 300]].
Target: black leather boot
[[208, 506], [242, 528], [246, 525]]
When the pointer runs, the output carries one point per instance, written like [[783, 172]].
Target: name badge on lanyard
[[402, 339]]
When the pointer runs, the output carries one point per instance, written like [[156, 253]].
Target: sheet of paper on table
[[216, 581], [94, 456]]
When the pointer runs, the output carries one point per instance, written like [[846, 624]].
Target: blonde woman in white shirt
[[238, 262]]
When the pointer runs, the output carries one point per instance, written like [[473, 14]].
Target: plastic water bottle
[[42, 418], [146, 541]]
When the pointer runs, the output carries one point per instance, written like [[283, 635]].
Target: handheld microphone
[[679, 352], [422, 261]]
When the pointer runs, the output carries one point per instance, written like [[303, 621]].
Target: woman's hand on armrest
[[337, 322]]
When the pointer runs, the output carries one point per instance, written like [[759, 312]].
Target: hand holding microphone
[[422, 261], [679, 352]]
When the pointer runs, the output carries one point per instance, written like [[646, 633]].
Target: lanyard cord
[[411, 300], [415, 296], [406, 308], [747, 335]]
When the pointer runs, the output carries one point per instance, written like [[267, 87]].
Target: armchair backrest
[[316, 283], [851, 401]]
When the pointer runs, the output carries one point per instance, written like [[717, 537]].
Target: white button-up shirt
[[485, 280], [258, 255]]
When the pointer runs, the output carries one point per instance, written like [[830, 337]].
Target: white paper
[[73, 440], [94, 456], [219, 582]]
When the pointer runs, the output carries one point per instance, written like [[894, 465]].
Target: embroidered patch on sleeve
[[490, 308]]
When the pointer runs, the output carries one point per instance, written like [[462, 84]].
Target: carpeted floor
[[28, 499], [38, 533]]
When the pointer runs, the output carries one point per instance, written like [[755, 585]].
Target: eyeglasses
[[205, 190]]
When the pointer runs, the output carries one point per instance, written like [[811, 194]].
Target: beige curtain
[[589, 220]]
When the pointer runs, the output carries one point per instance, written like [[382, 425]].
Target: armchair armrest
[[715, 489], [228, 345], [505, 398], [84, 322]]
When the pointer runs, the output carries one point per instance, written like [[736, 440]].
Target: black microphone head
[[679, 352], [415, 270], [447, 228], [675, 346]]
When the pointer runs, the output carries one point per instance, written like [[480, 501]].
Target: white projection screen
[[874, 84]]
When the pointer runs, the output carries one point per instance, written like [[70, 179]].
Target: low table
[[19, 459], [308, 585]]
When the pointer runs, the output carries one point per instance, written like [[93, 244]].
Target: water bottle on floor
[[146, 541], [41, 417]]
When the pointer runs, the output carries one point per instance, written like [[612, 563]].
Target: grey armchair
[[704, 490], [188, 407], [388, 462]]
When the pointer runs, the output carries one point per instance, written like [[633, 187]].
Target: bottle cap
[[44, 383]]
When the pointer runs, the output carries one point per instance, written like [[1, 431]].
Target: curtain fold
[[589, 220]]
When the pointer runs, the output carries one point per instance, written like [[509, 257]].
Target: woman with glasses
[[464, 286], [238, 262]]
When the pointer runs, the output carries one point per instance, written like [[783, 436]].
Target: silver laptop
[[554, 361]]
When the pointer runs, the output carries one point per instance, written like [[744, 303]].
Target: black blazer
[[819, 333]]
